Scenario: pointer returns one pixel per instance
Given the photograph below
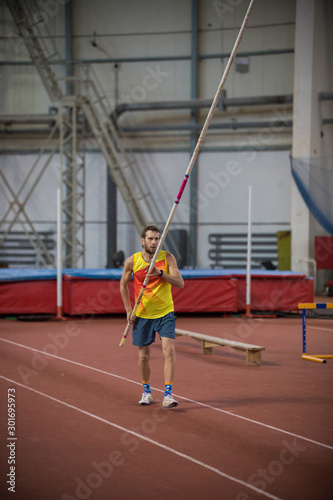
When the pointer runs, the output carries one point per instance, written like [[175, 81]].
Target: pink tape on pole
[[182, 187]]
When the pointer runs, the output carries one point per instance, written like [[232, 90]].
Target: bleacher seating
[[17, 249], [230, 250]]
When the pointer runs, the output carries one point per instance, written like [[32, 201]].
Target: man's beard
[[148, 250]]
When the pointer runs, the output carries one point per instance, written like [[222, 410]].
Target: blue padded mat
[[115, 274], [27, 274]]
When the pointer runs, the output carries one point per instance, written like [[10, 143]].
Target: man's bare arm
[[126, 276], [174, 277]]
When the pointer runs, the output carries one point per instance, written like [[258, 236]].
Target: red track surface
[[239, 433]]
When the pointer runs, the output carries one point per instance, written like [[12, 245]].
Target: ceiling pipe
[[224, 103], [206, 149], [5, 126], [27, 119], [37, 131], [120, 60], [233, 125], [325, 96]]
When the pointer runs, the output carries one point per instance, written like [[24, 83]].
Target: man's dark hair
[[149, 228]]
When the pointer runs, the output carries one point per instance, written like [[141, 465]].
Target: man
[[155, 312]]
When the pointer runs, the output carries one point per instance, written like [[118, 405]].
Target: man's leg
[[144, 362], [169, 351], [144, 366]]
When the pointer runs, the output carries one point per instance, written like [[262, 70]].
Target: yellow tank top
[[157, 298]]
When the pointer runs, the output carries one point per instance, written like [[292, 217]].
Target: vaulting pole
[[192, 162]]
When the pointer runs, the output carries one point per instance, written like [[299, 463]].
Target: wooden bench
[[252, 352]]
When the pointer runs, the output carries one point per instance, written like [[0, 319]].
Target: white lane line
[[145, 438], [256, 422], [320, 328]]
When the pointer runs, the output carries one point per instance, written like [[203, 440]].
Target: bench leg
[[205, 349], [253, 357]]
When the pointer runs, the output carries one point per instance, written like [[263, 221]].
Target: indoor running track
[[239, 432]]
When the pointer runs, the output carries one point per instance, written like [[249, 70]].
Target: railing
[[230, 250], [20, 249]]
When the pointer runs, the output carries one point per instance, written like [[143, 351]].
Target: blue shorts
[[144, 330]]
